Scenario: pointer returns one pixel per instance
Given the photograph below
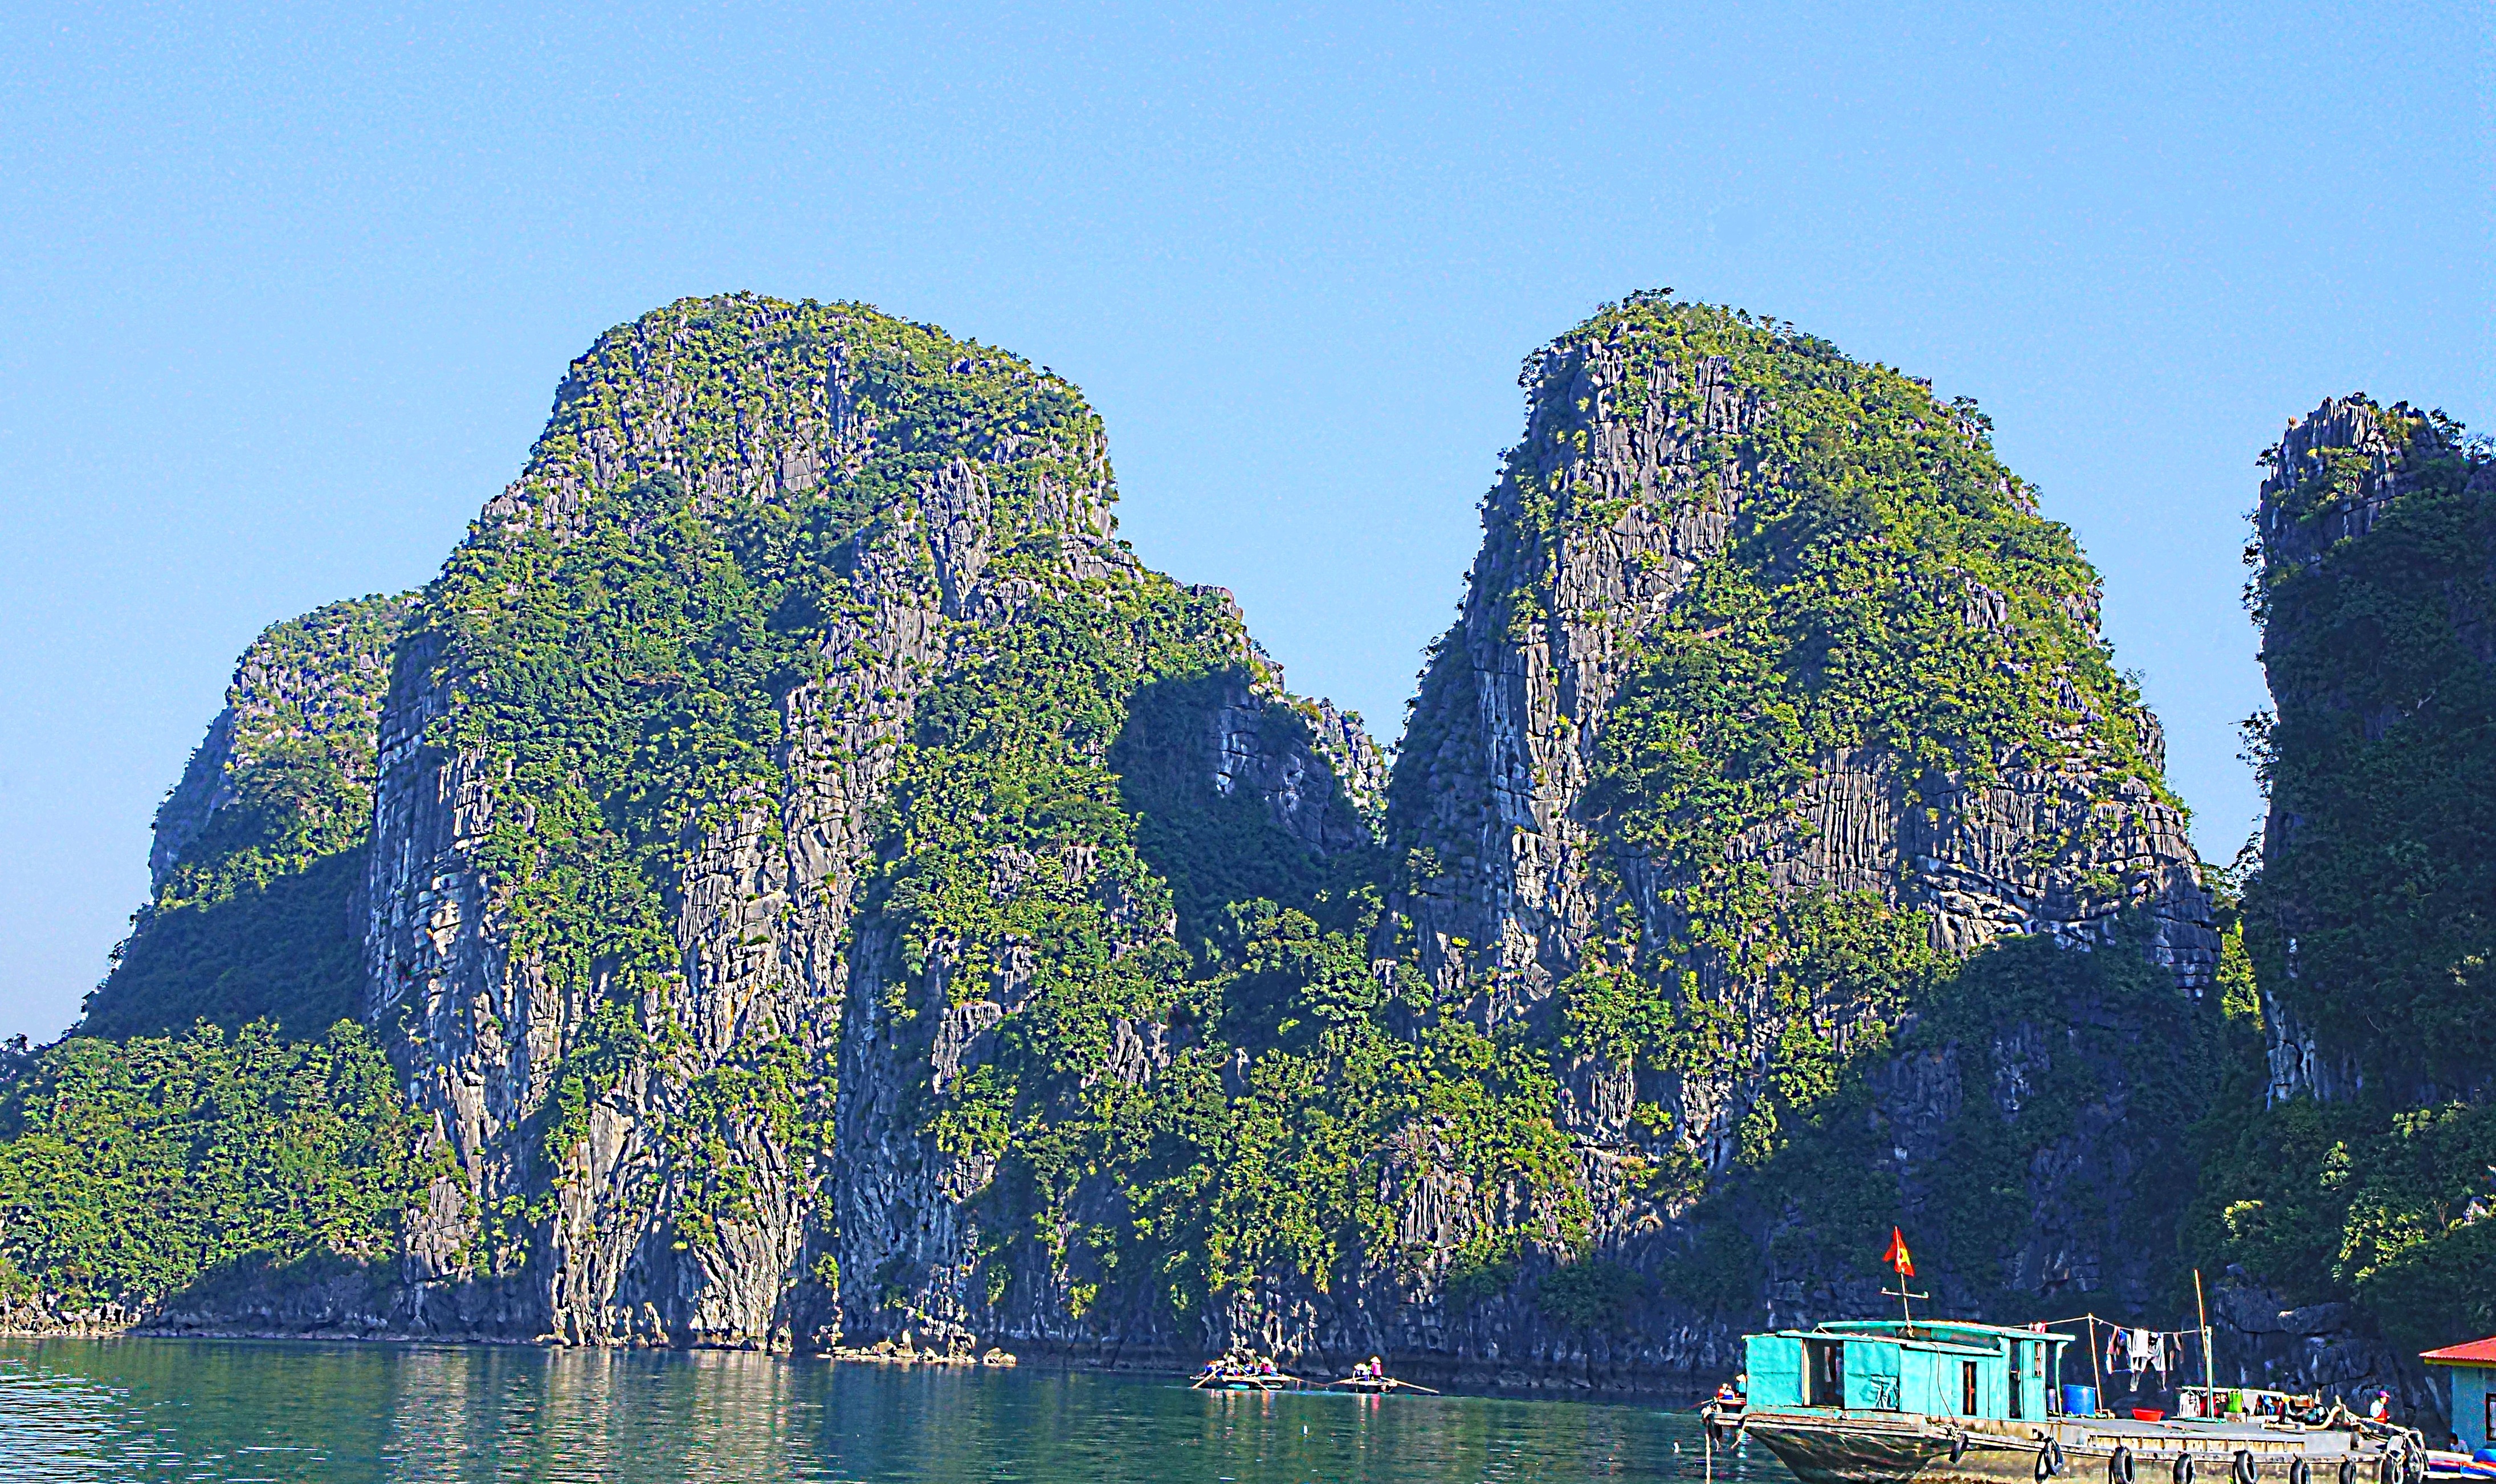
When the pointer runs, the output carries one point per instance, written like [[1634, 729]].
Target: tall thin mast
[[2203, 1310]]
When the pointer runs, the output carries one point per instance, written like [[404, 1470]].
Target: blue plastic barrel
[[2080, 1401]]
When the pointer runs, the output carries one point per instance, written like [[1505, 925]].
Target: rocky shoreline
[[21, 1320]]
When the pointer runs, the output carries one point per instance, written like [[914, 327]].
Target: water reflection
[[217, 1410]]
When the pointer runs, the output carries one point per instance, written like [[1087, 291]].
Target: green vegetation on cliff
[[620, 650], [259, 854], [1887, 585], [135, 1171], [2372, 921], [2382, 666], [1054, 826], [1174, 1062], [1870, 595]]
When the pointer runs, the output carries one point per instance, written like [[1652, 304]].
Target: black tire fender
[[2387, 1467], [2301, 1472], [2247, 1470], [1958, 1446], [2183, 1469], [2348, 1470], [2119, 1469], [2049, 1459]]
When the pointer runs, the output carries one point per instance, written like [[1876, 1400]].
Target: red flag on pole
[[1896, 1256]]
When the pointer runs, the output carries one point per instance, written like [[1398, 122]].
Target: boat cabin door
[[1824, 1372]]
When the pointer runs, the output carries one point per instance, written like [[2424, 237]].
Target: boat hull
[[1831, 1447]]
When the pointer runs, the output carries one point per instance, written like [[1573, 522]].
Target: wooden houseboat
[[1883, 1401]]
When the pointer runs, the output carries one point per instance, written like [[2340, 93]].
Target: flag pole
[[1905, 1267], [2202, 1307]]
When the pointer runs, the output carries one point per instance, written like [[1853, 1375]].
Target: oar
[[1410, 1386]]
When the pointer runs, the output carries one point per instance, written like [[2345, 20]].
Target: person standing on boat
[[2380, 1408]]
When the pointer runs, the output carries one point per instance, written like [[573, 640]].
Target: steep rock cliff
[[1771, 700], [738, 778], [2374, 538], [258, 863], [2349, 1203]]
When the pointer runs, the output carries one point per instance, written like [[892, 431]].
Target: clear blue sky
[[286, 293]]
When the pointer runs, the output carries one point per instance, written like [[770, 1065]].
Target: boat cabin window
[[1967, 1388], [2018, 1382], [1824, 1372]]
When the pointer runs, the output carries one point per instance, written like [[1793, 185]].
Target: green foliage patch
[[132, 1170]]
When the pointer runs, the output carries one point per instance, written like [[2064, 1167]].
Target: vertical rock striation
[[1764, 651], [647, 775]]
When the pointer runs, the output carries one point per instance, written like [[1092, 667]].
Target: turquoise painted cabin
[[2469, 1374], [1940, 1370]]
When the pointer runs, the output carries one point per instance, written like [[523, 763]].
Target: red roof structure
[[2478, 1352]]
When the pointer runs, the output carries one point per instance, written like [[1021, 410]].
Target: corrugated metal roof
[[2478, 1352]]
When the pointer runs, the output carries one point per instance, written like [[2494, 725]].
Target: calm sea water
[[170, 1409]]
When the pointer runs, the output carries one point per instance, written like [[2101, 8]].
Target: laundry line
[[2131, 1349]]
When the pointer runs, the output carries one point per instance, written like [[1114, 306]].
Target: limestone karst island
[[798, 883]]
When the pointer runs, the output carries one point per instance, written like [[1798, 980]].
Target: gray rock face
[[1520, 872], [2342, 425], [773, 941], [1513, 712], [318, 679], [2315, 1349], [2341, 432], [914, 1214]]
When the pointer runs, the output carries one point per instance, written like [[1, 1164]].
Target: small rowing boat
[[1242, 1371], [1378, 1386], [1274, 1382]]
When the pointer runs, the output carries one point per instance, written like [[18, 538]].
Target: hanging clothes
[[2138, 1349]]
